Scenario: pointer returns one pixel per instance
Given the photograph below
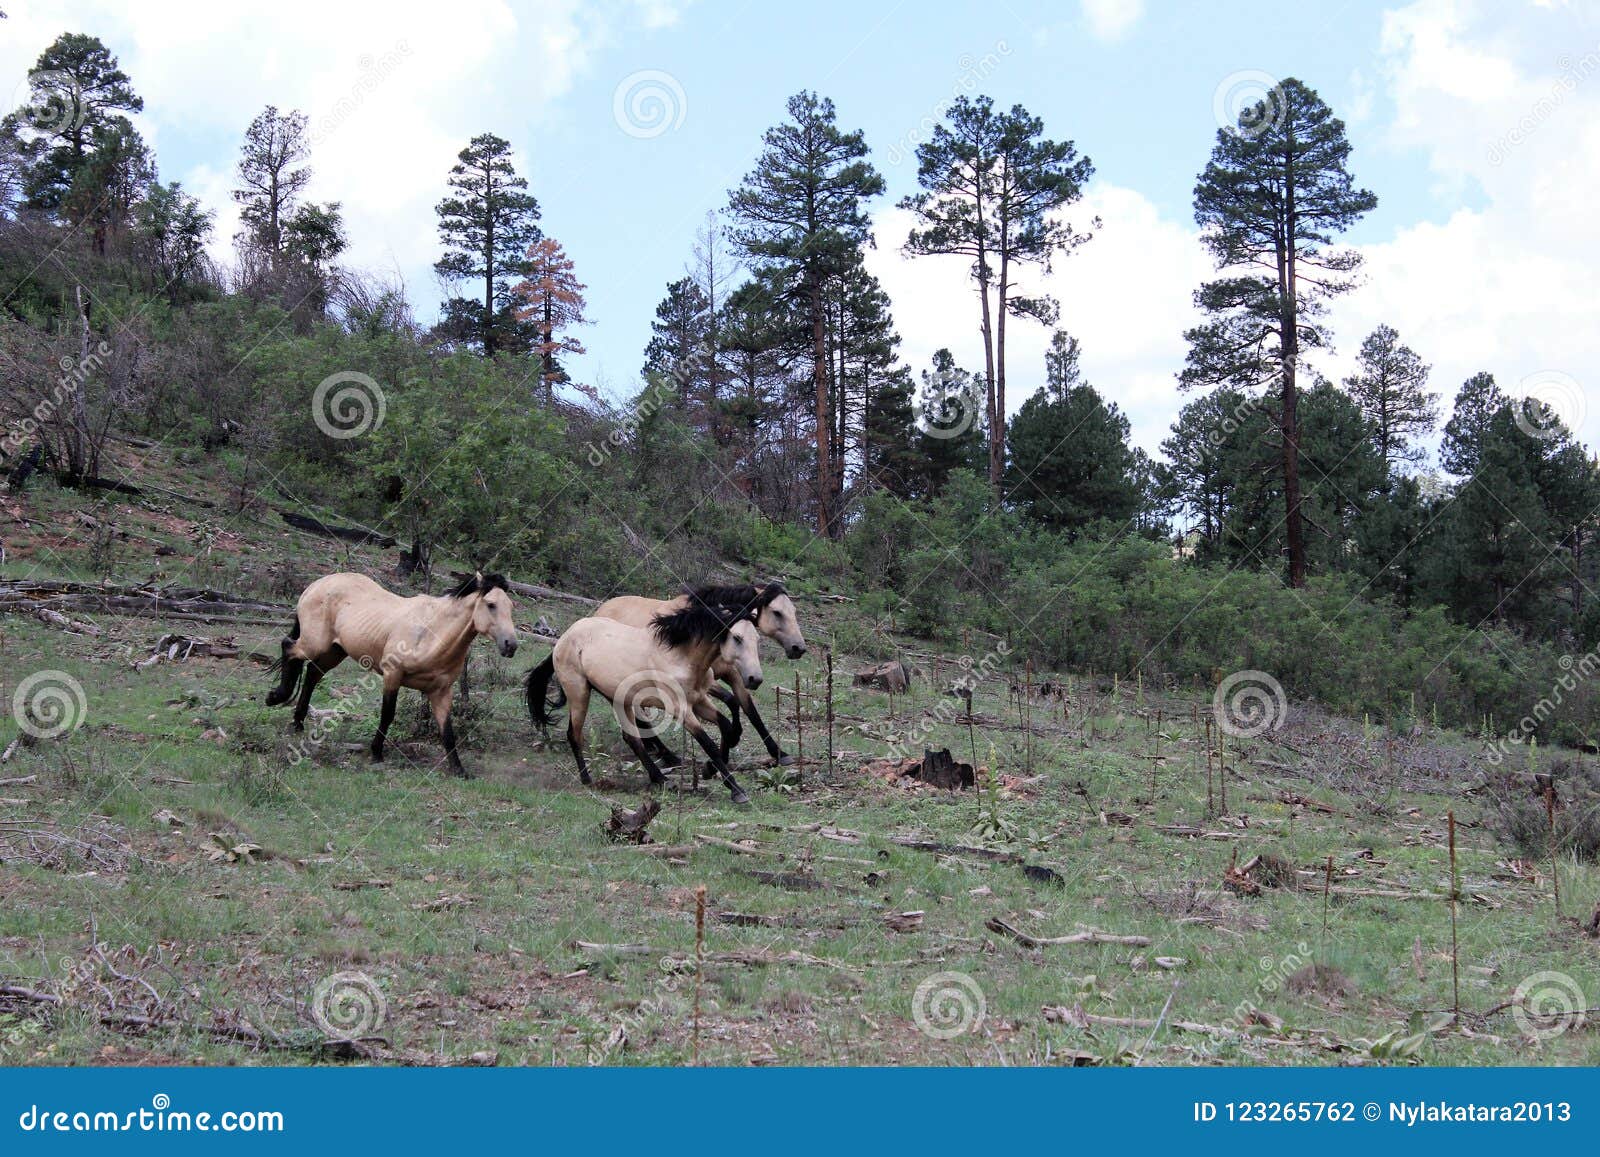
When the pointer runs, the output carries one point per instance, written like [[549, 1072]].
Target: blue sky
[[1474, 124]]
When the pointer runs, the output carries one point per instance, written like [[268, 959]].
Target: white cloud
[[392, 91], [1111, 19], [1126, 295]]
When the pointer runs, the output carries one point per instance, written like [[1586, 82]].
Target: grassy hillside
[[181, 883]]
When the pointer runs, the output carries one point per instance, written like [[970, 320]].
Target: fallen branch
[[1087, 936]]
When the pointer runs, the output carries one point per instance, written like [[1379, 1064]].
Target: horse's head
[[742, 648], [491, 614], [777, 620]]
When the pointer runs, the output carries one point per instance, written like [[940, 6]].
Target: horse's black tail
[[539, 703], [290, 669]]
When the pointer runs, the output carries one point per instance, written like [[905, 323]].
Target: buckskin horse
[[666, 669], [774, 616], [419, 642]]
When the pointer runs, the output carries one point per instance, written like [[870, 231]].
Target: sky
[[1476, 124]]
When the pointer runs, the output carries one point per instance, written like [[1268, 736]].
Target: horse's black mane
[[712, 611], [479, 584]]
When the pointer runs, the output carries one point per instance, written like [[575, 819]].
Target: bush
[[1521, 821]]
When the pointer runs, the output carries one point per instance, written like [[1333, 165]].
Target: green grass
[[487, 886]]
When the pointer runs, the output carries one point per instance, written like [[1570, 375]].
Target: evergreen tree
[[1477, 402], [953, 429], [1070, 462], [993, 190], [486, 226], [1270, 202], [171, 230], [76, 90], [553, 305], [1391, 387], [110, 183], [272, 175], [680, 341], [801, 211]]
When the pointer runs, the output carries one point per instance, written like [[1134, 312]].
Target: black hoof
[[784, 759], [377, 756], [275, 697], [299, 725], [740, 797]]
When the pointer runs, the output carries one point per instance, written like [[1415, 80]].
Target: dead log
[[943, 849], [361, 535], [534, 590]]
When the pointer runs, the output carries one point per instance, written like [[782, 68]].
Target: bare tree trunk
[[1289, 347], [997, 429], [819, 352]]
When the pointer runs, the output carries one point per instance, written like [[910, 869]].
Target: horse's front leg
[[718, 764], [742, 696], [440, 702], [391, 696], [728, 729]]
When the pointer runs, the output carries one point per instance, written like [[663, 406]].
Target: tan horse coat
[[419, 642], [777, 620]]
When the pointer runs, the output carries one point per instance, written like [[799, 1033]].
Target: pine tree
[[801, 211], [1390, 386], [553, 305], [1070, 462], [75, 91], [953, 430], [272, 174], [113, 179], [1477, 402], [486, 226], [993, 190], [1275, 193], [680, 342]]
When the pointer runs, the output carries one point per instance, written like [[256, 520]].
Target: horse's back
[[634, 610], [608, 651]]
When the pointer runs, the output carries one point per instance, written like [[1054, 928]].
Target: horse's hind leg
[[290, 668], [665, 756], [577, 711], [315, 670]]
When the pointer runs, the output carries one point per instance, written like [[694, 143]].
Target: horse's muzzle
[[753, 681], [508, 648], [796, 650]]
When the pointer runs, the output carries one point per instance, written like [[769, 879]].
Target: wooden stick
[[1550, 815], [1455, 895], [699, 961], [827, 653], [1088, 936]]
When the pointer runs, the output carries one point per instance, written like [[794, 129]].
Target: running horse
[[419, 642]]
